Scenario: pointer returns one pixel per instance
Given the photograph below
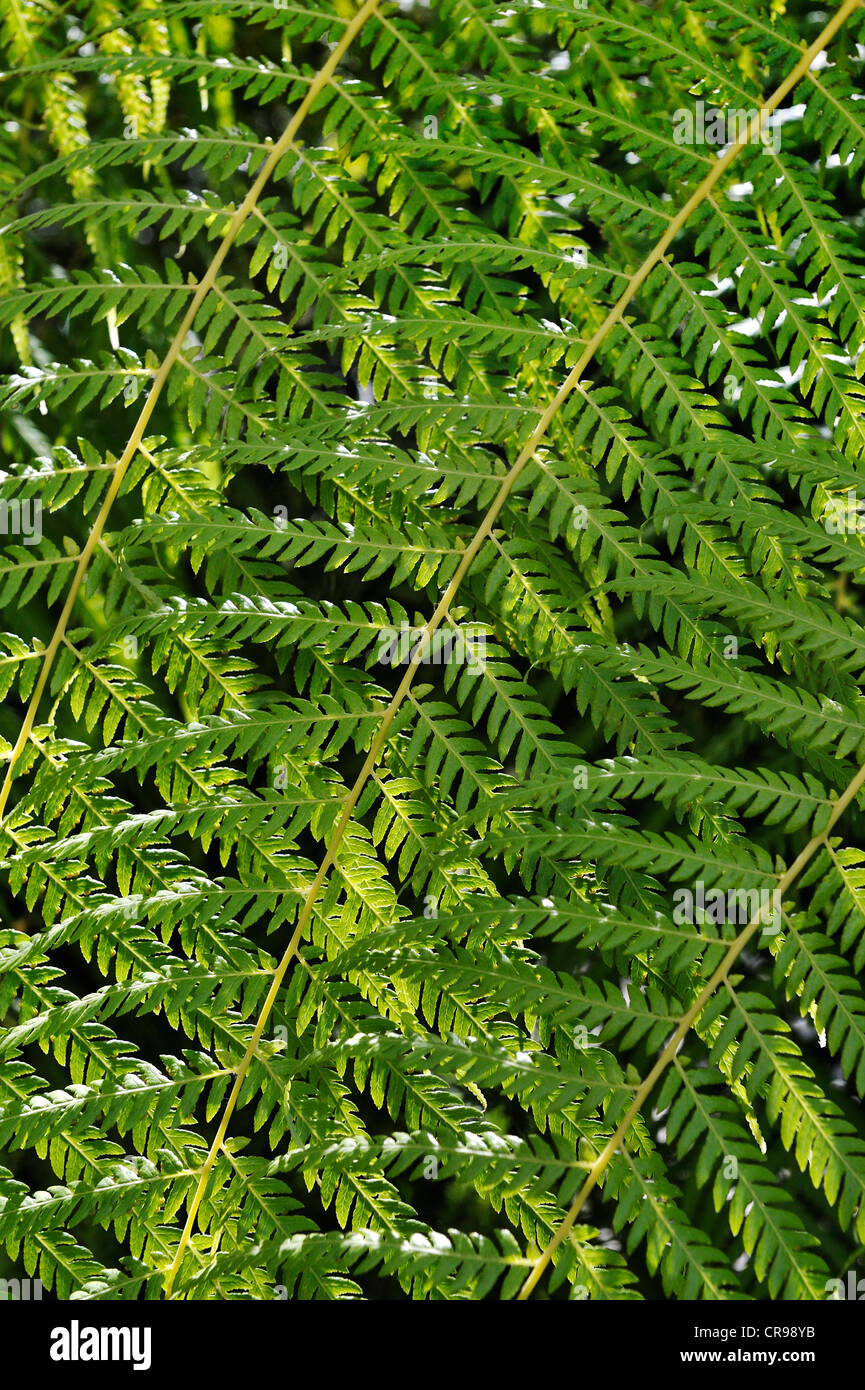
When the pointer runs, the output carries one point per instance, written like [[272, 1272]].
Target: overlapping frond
[[433, 646]]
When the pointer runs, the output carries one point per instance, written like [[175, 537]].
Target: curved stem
[[672, 1047], [483, 531], [204, 287]]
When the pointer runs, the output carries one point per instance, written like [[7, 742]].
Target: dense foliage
[[432, 646]]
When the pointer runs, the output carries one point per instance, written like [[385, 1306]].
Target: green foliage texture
[[402, 914]]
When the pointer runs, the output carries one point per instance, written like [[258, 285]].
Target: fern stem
[[570, 383], [807, 853], [672, 1047], [205, 285]]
